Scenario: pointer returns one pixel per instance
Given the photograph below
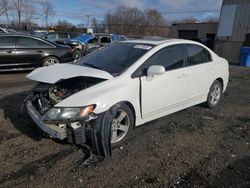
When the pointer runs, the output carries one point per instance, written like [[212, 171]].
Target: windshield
[[115, 58]]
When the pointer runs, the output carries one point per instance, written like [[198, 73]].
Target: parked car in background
[[6, 30], [90, 102], [78, 48], [39, 33], [59, 36], [24, 52], [93, 42]]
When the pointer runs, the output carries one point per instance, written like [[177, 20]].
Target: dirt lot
[[196, 147]]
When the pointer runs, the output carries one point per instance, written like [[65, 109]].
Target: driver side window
[[171, 57]]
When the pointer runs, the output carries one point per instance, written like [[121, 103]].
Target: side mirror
[[155, 70]]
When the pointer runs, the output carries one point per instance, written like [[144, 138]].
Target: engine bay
[[45, 96]]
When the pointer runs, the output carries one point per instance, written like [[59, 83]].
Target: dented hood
[[54, 73]]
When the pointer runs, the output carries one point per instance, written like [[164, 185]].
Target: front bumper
[[53, 130], [95, 132]]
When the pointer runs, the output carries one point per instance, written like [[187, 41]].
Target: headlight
[[67, 114]]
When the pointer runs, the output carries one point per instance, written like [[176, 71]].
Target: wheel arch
[[221, 81]]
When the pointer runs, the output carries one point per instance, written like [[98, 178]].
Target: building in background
[[234, 29], [202, 32]]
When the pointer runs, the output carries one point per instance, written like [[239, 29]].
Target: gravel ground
[[196, 147]]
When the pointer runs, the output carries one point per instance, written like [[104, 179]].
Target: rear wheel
[[50, 61], [214, 95]]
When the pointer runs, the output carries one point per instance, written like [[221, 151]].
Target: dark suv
[[24, 52]]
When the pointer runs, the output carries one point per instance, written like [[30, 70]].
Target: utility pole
[[88, 24]]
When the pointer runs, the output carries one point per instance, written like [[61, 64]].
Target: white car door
[[168, 91], [200, 71]]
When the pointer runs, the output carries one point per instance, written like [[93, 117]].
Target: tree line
[[27, 12], [129, 21], [133, 21]]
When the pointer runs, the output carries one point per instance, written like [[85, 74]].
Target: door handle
[[182, 76], [39, 51], [9, 51]]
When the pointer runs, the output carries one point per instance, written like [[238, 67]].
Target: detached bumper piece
[[53, 130], [76, 136], [95, 133]]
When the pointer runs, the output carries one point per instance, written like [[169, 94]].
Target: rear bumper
[[53, 130]]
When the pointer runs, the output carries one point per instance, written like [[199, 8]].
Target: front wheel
[[121, 125], [214, 95], [77, 54]]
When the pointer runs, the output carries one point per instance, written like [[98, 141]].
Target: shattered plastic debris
[[209, 118], [178, 184], [92, 160], [233, 155], [80, 180]]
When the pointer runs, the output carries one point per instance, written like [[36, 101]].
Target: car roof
[[16, 34], [25, 35], [157, 42]]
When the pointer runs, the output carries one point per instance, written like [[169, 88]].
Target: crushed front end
[[79, 125]]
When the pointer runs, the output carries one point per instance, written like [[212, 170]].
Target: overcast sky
[[76, 11]]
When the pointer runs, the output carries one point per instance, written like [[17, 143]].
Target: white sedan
[[99, 99]]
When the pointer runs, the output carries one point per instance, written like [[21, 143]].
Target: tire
[[214, 95], [77, 54], [50, 61], [122, 123]]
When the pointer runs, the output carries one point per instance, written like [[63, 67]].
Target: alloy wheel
[[120, 126], [50, 61], [215, 94]]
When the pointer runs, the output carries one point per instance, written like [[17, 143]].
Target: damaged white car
[[100, 99]]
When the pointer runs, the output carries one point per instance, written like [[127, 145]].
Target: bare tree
[[29, 11], [155, 22], [64, 25], [132, 21], [4, 8], [18, 5], [47, 10]]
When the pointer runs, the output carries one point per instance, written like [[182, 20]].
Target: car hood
[[54, 73]]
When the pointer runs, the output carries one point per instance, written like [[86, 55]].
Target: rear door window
[[25, 42], [7, 42], [197, 55], [171, 57]]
